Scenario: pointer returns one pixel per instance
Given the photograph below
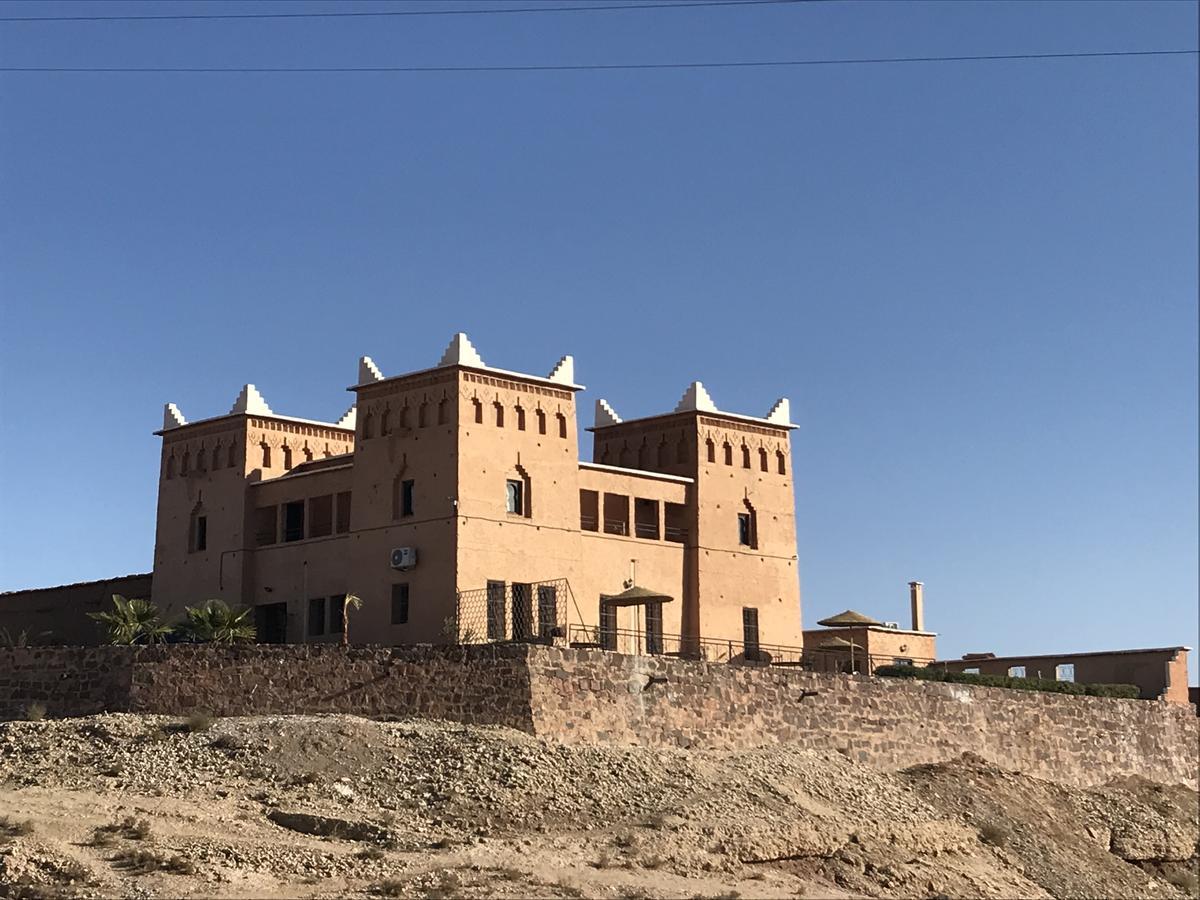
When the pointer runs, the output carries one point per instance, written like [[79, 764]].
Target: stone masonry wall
[[590, 696]]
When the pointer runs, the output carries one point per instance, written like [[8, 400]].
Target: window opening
[[522, 611], [608, 626], [316, 616], [514, 497], [293, 521], [400, 604], [495, 610], [654, 628], [750, 632], [547, 610], [337, 613]]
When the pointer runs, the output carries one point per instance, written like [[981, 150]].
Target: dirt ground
[[334, 806]]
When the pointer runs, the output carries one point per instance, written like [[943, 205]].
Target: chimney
[[916, 592]]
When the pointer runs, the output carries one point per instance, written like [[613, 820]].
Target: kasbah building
[[454, 503]]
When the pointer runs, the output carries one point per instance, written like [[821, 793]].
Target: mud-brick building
[[453, 502]]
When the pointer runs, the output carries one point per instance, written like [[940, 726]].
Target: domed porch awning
[[634, 596]]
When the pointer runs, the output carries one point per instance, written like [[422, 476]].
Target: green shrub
[[1122, 691], [35, 712]]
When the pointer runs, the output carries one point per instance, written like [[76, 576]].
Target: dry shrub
[[11, 828], [996, 835], [35, 712], [371, 852], [390, 887], [131, 828], [143, 862], [199, 720]]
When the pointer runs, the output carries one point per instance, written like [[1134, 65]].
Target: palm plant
[[133, 621], [353, 601], [216, 623]]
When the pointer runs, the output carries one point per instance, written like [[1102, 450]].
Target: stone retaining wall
[[589, 696]]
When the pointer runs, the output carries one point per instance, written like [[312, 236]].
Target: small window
[[499, 414], [342, 524], [368, 426], [645, 518], [675, 522], [541, 420], [266, 456], [478, 411], [562, 424], [385, 423], [663, 452], [320, 516], [287, 457], [654, 628], [681, 450], [186, 465], [781, 459], [266, 525], [728, 453], [972, 670], [712, 450], [750, 632], [337, 613], [763, 459], [293, 521], [515, 497], [171, 466], [200, 534], [232, 455], [520, 418], [443, 411], [316, 616], [902, 661], [1016, 671], [547, 609], [496, 630], [745, 531], [589, 510], [404, 417], [745, 457], [1064, 672], [422, 415], [216, 457], [400, 604], [406, 497]]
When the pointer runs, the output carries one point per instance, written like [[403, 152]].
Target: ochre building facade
[[454, 503]]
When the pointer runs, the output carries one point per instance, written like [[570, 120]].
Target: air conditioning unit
[[895, 625], [404, 558]]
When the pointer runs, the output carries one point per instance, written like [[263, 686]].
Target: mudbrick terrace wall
[[586, 696]]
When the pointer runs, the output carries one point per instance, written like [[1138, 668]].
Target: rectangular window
[[343, 512], [745, 531], [645, 518], [495, 611], [902, 661], [589, 510], [316, 616], [547, 609], [515, 497], [293, 521], [522, 611], [750, 632], [675, 524], [972, 670], [608, 626], [200, 538], [406, 497], [320, 516], [1064, 672], [400, 604], [266, 525], [337, 613], [654, 628], [616, 514], [1016, 671]]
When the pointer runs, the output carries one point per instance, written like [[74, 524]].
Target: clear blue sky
[[977, 281]]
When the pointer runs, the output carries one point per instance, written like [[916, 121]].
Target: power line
[[492, 11], [594, 67]]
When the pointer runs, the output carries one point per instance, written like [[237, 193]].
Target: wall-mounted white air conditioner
[[404, 558]]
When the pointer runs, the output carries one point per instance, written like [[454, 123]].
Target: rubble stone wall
[[590, 696]]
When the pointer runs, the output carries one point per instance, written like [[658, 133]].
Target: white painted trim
[[332, 425], [663, 476], [486, 370], [720, 413]]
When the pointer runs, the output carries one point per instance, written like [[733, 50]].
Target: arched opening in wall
[[662, 454], [171, 466], [711, 446], [443, 411], [198, 530], [385, 422], [423, 414], [541, 420], [520, 411], [562, 424], [201, 459], [748, 526], [185, 465], [233, 457], [728, 453], [266, 455], [605, 455], [475, 401], [519, 492], [762, 459], [745, 457], [287, 457], [681, 449], [216, 457], [643, 455], [368, 427], [781, 459], [625, 457], [499, 414], [403, 496], [403, 417]]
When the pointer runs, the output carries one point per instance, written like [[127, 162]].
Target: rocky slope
[[330, 806]]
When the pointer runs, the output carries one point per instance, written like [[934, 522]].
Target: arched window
[[423, 414], [541, 420], [478, 410], [443, 411], [266, 449], [728, 453], [745, 457], [712, 450], [198, 530], [782, 461], [662, 453], [287, 457], [232, 456], [499, 414], [186, 465], [681, 449], [171, 466], [762, 459], [643, 456], [562, 425], [520, 411], [216, 457], [625, 457], [604, 455], [201, 460], [368, 425], [385, 422]]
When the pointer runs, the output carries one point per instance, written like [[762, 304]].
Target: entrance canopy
[[635, 596]]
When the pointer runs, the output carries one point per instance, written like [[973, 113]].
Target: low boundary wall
[[590, 696]]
